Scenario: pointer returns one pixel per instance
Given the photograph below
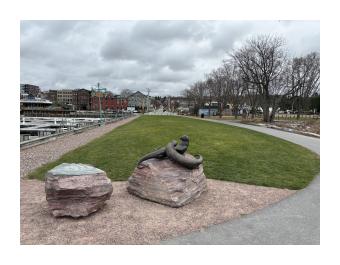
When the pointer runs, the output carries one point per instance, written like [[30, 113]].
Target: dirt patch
[[127, 219], [309, 126]]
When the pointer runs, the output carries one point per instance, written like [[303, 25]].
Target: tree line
[[261, 75]]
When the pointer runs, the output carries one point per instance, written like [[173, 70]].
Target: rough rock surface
[[76, 189], [167, 182]]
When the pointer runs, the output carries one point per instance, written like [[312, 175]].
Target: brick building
[[108, 102], [81, 99], [52, 96]]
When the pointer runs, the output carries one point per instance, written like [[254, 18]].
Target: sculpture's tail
[[160, 153]]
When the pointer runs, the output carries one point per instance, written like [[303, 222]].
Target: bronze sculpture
[[176, 153]]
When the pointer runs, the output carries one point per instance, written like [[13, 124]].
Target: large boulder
[[76, 189], [167, 182]]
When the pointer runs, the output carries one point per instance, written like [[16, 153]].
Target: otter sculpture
[[176, 153]]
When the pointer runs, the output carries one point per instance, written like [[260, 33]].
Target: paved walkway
[[295, 220]]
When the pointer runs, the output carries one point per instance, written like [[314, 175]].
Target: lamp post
[[98, 92]]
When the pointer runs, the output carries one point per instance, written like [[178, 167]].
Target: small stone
[[76, 189], [167, 182]]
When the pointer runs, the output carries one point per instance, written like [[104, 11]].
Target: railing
[[74, 130], [46, 112], [161, 113], [279, 116], [44, 139]]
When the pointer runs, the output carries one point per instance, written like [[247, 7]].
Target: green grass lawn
[[229, 153]]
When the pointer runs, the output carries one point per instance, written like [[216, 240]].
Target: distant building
[[30, 89], [52, 96], [205, 111], [138, 100], [44, 94], [81, 99], [213, 109], [213, 104], [23, 95], [34, 103], [108, 102], [65, 96], [22, 92], [181, 101]]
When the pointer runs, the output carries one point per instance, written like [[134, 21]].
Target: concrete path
[[295, 220]]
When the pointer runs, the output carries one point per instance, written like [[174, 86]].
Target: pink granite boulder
[[76, 189], [167, 182]]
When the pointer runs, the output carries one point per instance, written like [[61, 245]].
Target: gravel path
[[127, 219], [36, 156]]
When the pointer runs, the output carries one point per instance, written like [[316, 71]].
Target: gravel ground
[[126, 219], [36, 156]]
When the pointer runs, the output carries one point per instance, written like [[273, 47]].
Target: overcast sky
[[165, 56]]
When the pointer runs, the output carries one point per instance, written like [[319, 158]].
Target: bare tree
[[260, 74], [261, 61], [252, 96], [304, 78], [196, 93], [218, 78], [235, 86], [279, 89], [209, 90], [125, 92]]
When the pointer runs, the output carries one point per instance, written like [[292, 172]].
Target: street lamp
[[98, 92]]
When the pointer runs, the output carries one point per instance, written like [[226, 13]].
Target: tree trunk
[[235, 113], [220, 110], [266, 117], [298, 111], [253, 112], [272, 116], [299, 108], [209, 104]]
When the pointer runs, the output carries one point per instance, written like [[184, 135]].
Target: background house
[[138, 101]]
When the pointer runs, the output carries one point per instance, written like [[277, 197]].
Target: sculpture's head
[[185, 138]]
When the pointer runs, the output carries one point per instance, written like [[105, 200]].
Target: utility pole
[[143, 105], [148, 106], [121, 106], [100, 104]]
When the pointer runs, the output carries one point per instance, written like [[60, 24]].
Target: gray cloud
[[166, 56]]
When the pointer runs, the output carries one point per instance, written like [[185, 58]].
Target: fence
[[294, 116], [71, 130], [161, 113]]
